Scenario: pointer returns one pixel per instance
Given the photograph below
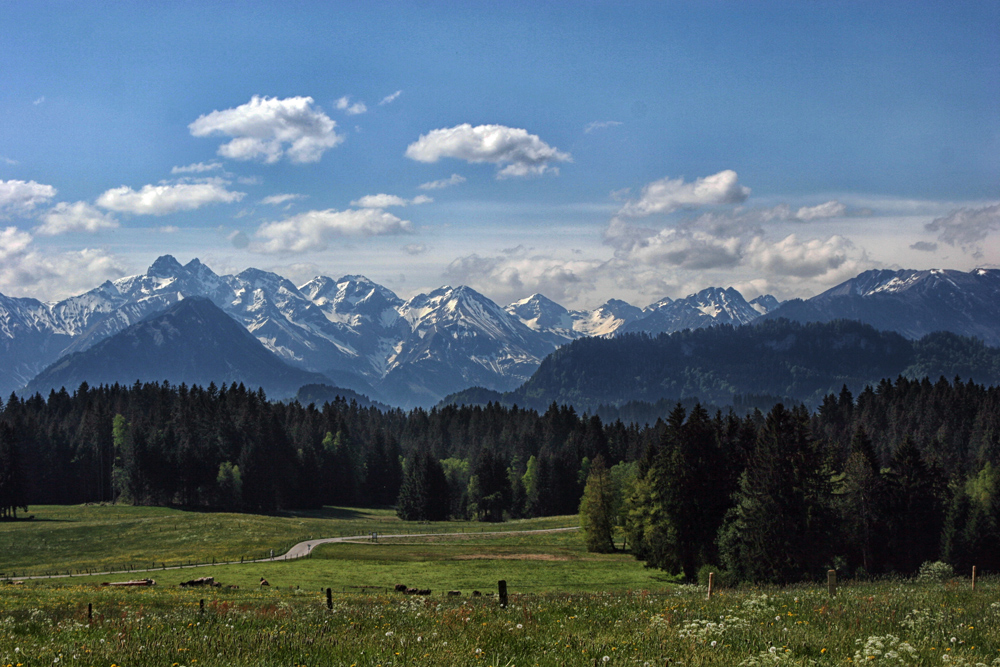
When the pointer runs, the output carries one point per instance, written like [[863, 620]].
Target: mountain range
[[361, 336]]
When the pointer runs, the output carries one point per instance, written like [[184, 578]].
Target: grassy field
[[97, 538], [567, 607], [890, 623]]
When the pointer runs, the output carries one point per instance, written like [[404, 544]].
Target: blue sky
[[585, 150]]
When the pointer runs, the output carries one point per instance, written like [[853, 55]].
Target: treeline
[[231, 448], [907, 473], [904, 473]]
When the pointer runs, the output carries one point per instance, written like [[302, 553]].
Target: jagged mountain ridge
[[364, 337]]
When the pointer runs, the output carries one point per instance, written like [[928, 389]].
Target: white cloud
[[668, 195], [268, 128], [830, 209], [813, 258], [313, 230], [164, 199], [415, 249], [454, 179], [600, 125], [64, 218], [513, 149], [21, 197], [966, 227], [168, 229], [197, 168], [344, 104], [8, 161], [13, 243], [275, 200], [388, 99], [506, 278], [924, 246], [24, 271], [386, 201], [38, 101]]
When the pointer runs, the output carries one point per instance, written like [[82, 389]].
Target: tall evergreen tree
[[778, 530], [597, 508]]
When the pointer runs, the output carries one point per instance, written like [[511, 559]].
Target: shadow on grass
[[345, 513]]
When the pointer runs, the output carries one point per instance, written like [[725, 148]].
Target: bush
[[932, 572]]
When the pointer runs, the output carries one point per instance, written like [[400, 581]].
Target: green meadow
[[566, 606]]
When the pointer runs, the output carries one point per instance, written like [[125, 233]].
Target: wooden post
[[329, 598], [502, 590], [831, 582], [973, 578], [201, 605], [90, 612], [711, 580]]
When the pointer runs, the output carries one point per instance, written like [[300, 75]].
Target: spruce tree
[[597, 508]]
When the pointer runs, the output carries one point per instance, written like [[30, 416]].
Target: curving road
[[300, 550]]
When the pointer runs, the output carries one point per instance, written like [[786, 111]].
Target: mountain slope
[[710, 307], [912, 303], [193, 341]]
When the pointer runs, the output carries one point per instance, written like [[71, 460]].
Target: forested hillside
[[780, 358], [905, 472]]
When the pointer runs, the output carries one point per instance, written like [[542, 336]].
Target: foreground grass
[[79, 538], [891, 623]]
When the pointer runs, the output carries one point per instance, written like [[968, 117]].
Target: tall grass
[[886, 623]]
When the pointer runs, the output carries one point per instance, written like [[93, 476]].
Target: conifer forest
[[905, 472]]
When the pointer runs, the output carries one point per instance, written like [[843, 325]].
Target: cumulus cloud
[[24, 271], [513, 150], [64, 218], [454, 179], [966, 227], [276, 200], [389, 99], [811, 258], [924, 246], [600, 125], [313, 230], [197, 168], [21, 197], [267, 128], [668, 195], [385, 201], [507, 278], [830, 209], [164, 199], [344, 104]]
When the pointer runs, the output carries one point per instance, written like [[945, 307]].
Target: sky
[[583, 150]]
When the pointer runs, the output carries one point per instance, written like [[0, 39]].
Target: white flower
[[389, 634], [714, 643], [519, 626], [478, 651], [605, 659]]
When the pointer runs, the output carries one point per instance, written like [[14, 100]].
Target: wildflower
[[519, 626], [605, 659], [714, 643], [389, 634]]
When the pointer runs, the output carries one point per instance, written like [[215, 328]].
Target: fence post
[[973, 578], [90, 612], [329, 598], [831, 582], [502, 590], [201, 606], [711, 580]]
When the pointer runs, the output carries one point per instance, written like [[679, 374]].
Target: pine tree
[[597, 508], [778, 529]]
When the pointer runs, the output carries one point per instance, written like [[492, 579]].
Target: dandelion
[[389, 634], [714, 643], [519, 626], [605, 658]]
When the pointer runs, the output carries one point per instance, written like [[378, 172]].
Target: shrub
[[935, 571]]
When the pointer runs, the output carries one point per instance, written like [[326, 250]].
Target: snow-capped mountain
[[364, 337], [459, 332], [912, 303], [709, 307]]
